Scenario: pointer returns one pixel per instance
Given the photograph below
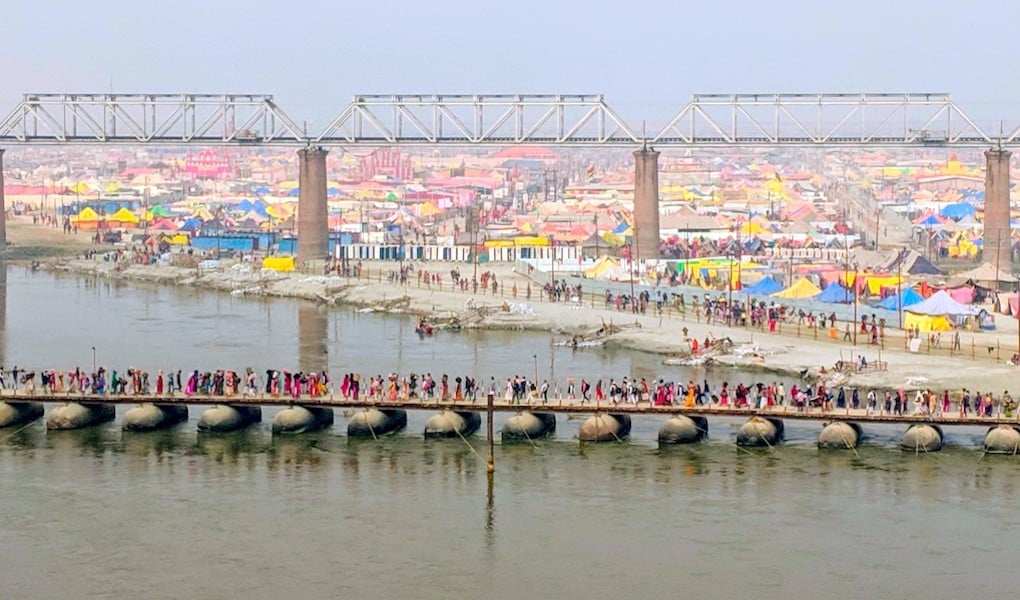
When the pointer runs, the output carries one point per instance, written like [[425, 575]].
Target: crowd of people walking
[[517, 389]]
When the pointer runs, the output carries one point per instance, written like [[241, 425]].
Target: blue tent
[[766, 287], [259, 206], [244, 206], [836, 293], [261, 190], [621, 227], [909, 297], [929, 220], [191, 224], [958, 210]]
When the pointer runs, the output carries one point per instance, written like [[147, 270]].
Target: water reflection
[[157, 443], [96, 440], [313, 337], [233, 448]]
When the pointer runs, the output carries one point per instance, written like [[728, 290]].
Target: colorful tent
[[601, 266], [280, 264], [764, 287], [802, 288], [876, 283], [907, 298], [835, 293], [124, 217], [941, 304], [958, 210], [926, 322], [86, 219]]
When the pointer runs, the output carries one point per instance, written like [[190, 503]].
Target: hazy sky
[[646, 57]]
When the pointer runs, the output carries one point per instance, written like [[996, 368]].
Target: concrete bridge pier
[[997, 241], [374, 422], [839, 435], [759, 431], [605, 428], [151, 416], [75, 415], [646, 203], [682, 429], [13, 414], [312, 219]]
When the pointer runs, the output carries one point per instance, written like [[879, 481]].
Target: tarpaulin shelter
[[766, 286], [802, 288], [875, 283], [601, 266], [86, 219], [902, 300], [986, 276], [835, 293], [161, 224], [958, 210], [937, 313], [124, 217], [280, 264]]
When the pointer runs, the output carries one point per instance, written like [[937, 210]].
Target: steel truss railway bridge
[[573, 120]]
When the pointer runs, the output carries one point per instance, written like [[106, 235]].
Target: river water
[[101, 513]]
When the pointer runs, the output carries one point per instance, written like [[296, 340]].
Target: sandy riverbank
[[782, 354], [26, 241], [776, 353]]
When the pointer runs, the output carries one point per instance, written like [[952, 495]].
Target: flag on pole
[[590, 171]]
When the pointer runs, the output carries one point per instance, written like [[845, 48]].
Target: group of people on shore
[[516, 389]]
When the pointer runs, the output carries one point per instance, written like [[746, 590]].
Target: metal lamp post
[[93, 359]]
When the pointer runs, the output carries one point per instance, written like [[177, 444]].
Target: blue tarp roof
[[909, 297], [191, 224], [766, 287], [836, 293], [958, 210], [929, 220]]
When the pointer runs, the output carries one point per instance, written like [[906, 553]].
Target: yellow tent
[[113, 186], [278, 211], [427, 209], [530, 240], [281, 264], [86, 219], [87, 214], [752, 228], [179, 239], [926, 322], [124, 216], [802, 288], [601, 266]]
